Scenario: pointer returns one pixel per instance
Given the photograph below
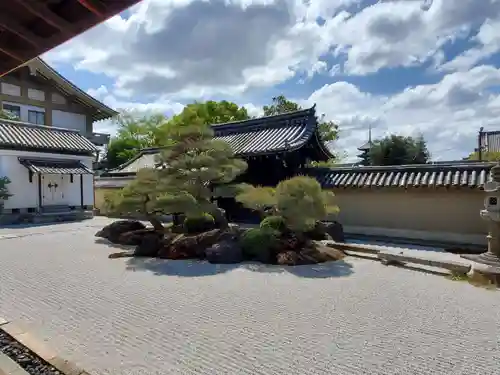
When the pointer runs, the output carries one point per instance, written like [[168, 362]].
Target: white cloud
[[448, 113], [488, 39], [174, 51]]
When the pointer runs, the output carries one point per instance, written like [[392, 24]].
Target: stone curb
[[18, 332], [380, 253]]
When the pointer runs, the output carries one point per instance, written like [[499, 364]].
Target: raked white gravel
[[173, 317]]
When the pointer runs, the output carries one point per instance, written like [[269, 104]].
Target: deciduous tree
[[399, 150]]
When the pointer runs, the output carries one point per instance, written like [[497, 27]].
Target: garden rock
[[322, 253], [335, 230], [150, 245], [113, 231], [135, 237], [287, 258], [191, 246], [224, 252]]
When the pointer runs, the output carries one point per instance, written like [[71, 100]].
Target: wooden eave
[[29, 28]]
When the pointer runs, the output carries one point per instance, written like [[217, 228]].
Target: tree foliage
[[190, 164], [138, 130], [135, 131], [4, 190], [280, 104], [485, 156], [300, 201], [399, 150], [8, 115]]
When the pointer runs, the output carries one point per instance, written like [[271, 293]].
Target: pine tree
[[191, 168]]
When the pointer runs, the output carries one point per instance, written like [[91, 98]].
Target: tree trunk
[[155, 222]]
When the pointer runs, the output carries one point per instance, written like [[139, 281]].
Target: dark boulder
[[335, 230], [191, 246], [224, 252], [113, 231]]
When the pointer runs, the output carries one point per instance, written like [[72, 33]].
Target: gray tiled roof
[[15, 134], [468, 175], [260, 136], [53, 166], [490, 141]]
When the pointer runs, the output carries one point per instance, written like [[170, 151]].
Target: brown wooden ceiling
[[29, 28]]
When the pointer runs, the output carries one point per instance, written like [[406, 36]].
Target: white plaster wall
[[25, 108], [36, 94], [25, 194], [10, 89], [69, 120], [58, 98]]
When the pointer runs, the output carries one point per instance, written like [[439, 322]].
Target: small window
[[13, 110], [71, 178], [36, 117], [30, 176]]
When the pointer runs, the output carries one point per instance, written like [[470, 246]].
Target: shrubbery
[[299, 201], [199, 224], [4, 191], [259, 243], [274, 222]]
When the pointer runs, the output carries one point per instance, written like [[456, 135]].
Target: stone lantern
[[489, 262]]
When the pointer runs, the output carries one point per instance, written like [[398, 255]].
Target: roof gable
[[20, 135], [98, 110]]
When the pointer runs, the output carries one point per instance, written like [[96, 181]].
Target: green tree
[[399, 150], [135, 131], [328, 130], [7, 115], [485, 156], [4, 191], [191, 163]]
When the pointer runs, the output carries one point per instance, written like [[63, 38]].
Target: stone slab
[[9, 367], [40, 348], [485, 269], [450, 265]]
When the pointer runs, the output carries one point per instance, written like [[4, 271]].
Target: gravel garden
[[192, 172]]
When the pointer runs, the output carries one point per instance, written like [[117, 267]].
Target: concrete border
[[37, 346]]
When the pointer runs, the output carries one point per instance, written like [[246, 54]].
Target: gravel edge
[[36, 346]]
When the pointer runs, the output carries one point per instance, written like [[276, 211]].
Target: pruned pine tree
[[190, 167], [194, 167]]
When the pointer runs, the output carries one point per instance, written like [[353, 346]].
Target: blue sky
[[396, 66]]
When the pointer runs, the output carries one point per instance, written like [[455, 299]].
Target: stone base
[[487, 259]]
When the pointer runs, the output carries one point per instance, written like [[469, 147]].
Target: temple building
[[275, 148], [47, 144]]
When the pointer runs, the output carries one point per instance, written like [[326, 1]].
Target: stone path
[[149, 317]]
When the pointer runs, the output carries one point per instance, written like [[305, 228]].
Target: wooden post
[[480, 144]]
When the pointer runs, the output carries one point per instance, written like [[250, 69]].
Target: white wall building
[[50, 169]]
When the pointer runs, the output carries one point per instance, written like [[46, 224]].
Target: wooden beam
[[22, 32], [94, 6], [39, 9], [12, 54]]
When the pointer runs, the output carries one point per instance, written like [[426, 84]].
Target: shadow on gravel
[[195, 268]]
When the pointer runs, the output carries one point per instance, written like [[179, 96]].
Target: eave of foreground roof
[[100, 111], [443, 175]]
